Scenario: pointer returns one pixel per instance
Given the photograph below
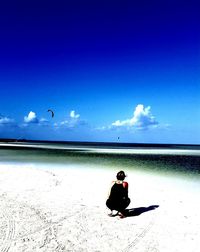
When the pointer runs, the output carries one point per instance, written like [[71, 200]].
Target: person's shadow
[[139, 210]]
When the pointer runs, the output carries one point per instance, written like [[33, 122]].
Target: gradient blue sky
[[116, 71]]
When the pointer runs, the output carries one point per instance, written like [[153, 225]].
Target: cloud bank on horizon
[[142, 127], [142, 119]]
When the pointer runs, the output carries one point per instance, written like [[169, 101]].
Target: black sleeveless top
[[118, 192]]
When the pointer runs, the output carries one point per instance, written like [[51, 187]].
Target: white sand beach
[[44, 208]]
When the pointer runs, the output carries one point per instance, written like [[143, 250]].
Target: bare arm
[[125, 185]]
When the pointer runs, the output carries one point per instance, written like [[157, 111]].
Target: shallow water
[[183, 161]]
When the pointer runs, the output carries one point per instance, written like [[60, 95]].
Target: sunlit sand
[[51, 208]]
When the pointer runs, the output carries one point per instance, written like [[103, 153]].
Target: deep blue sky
[[128, 69]]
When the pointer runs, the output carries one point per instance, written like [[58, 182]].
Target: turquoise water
[[159, 160]]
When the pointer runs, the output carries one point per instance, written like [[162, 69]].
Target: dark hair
[[121, 175]]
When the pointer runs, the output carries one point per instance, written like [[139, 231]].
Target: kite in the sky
[[52, 113]]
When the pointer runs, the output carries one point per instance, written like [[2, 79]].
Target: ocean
[[156, 158]]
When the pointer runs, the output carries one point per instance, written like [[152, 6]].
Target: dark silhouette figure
[[52, 113], [118, 199]]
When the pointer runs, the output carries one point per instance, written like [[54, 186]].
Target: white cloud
[[72, 121], [31, 118], [74, 115], [65, 122], [44, 122], [142, 119], [6, 121]]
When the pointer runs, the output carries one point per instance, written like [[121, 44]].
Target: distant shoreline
[[103, 144]]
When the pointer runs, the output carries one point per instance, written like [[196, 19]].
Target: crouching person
[[118, 199]]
